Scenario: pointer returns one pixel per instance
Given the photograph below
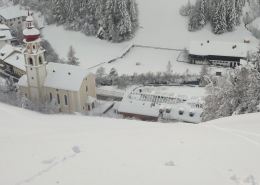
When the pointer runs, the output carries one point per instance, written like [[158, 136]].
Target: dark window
[[40, 60], [33, 46], [66, 100], [86, 88], [32, 78], [50, 97], [218, 73], [58, 98], [31, 61]]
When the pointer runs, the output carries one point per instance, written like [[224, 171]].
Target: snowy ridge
[[47, 149]]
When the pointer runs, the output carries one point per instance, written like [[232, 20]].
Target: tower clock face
[[28, 47]]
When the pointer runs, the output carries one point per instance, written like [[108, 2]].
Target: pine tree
[[193, 21], [169, 68], [72, 60], [219, 18], [239, 4], [231, 15], [200, 9]]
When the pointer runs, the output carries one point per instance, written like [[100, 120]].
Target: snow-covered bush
[[237, 93], [185, 10]]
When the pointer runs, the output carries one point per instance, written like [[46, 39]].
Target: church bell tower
[[34, 59]]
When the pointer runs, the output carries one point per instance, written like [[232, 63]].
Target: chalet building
[[71, 88], [12, 17], [6, 52], [155, 107], [5, 38], [14, 65], [217, 53]]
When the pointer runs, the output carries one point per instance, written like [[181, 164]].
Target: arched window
[[33, 46], [30, 61], [50, 97], [40, 60]]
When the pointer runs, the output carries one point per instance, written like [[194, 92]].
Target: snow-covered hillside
[[161, 26], [39, 149]]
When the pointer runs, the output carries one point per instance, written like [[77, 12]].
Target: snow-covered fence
[[96, 65], [160, 48], [109, 93], [121, 55]]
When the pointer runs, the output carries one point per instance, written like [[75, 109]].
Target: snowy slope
[[161, 26], [38, 150]]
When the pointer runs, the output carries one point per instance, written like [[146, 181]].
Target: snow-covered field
[[40, 149], [162, 26]]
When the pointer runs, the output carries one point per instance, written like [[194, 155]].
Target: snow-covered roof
[[217, 48], [6, 34], [29, 18], [32, 31], [4, 27], [23, 81], [116, 106], [63, 76], [91, 100], [149, 105], [16, 60], [12, 12], [6, 51]]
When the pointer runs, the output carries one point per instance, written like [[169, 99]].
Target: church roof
[[23, 81], [63, 76]]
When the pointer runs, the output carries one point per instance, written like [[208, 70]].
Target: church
[[71, 88]]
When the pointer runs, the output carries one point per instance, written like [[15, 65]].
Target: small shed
[[246, 40]]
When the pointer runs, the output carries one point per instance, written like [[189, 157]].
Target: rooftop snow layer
[[6, 34], [23, 81], [4, 27], [63, 76], [217, 48], [6, 51], [12, 12], [16, 60]]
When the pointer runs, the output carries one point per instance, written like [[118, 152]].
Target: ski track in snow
[[33, 177], [234, 132]]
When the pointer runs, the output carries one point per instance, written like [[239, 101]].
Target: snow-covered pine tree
[[231, 15], [72, 59], [169, 68], [239, 4], [89, 28], [58, 11], [219, 25], [200, 9], [193, 21], [133, 12], [255, 58], [124, 25]]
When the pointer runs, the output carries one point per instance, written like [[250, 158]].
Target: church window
[[32, 78], [40, 60], [33, 46], [58, 98], [30, 61], [50, 97], [66, 100], [86, 88]]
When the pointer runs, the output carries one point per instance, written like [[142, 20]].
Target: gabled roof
[[7, 50], [16, 60], [23, 81], [66, 77], [6, 34], [217, 48], [4, 27], [12, 12]]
